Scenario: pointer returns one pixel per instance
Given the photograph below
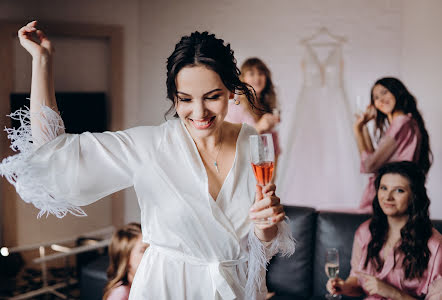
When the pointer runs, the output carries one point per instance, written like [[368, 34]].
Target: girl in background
[[400, 130], [257, 75], [125, 252]]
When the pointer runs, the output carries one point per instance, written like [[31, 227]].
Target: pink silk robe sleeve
[[401, 142]]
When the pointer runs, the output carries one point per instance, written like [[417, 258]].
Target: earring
[[236, 100]]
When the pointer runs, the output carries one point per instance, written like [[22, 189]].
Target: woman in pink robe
[[257, 75], [126, 250], [397, 254], [406, 137]]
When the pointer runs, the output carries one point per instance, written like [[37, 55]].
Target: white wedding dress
[[320, 166]]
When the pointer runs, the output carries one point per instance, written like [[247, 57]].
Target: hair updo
[[204, 49]]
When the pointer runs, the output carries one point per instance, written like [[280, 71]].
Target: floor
[[29, 280]]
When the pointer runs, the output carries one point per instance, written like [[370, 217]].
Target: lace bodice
[[319, 73]]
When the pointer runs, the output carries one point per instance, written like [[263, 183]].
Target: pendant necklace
[[219, 150]]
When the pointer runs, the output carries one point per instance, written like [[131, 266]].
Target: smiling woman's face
[[256, 78], [394, 194], [383, 99], [202, 100]]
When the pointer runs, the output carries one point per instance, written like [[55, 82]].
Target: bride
[[192, 175]]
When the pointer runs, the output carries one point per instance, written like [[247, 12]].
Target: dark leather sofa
[[299, 277], [93, 278], [302, 276]]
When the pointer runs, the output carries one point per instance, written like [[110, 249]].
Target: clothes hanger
[[323, 31]]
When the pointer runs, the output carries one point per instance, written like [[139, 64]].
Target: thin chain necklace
[[215, 162], [219, 150]]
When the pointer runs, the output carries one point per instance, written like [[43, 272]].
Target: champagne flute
[[360, 108], [332, 268], [276, 112], [262, 154]]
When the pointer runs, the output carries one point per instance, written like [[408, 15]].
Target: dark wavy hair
[[202, 48], [267, 99], [416, 232], [406, 103]]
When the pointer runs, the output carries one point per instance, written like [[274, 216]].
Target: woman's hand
[[362, 119], [370, 113], [267, 206], [35, 41], [375, 286], [266, 122], [42, 85], [349, 287], [336, 286]]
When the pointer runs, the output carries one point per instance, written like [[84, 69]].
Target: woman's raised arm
[[42, 86]]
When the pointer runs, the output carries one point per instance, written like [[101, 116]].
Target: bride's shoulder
[[144, 130], [148, 136]]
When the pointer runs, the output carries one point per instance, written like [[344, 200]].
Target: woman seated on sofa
[[126, 250], [397, 254]]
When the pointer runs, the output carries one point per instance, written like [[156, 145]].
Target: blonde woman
[[125, 253]]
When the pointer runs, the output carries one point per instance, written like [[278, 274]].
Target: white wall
[[421, 69]]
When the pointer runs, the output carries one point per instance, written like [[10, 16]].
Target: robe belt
[[216, 269]]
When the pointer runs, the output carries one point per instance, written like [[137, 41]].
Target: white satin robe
[[200, 248]]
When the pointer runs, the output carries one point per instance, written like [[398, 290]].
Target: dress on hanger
[[320, 166]]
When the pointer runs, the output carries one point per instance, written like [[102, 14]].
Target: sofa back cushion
[[334, 230], [438, 225], [294, 275]]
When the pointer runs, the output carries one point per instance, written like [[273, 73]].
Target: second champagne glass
[[262, 155], [360, 107], [332, 268]]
